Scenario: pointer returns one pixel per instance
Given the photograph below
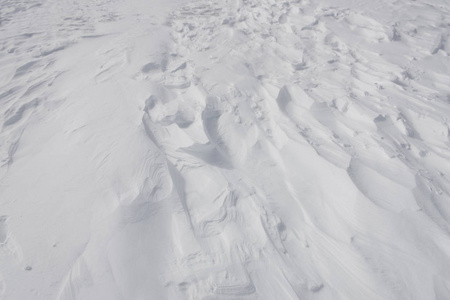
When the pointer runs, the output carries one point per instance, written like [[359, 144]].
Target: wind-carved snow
[[231, 149]]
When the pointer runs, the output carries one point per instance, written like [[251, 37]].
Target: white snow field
[[224, 149]]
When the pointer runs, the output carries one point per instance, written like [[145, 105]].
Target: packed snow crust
[[224, 149]]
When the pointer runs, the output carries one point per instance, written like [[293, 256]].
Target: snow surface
[[232, 149]]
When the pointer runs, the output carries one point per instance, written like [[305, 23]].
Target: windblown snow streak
[[233, 149]]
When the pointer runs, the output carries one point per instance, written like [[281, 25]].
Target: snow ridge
[[231, 149]]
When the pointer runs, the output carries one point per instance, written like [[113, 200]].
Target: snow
[[233, 149]]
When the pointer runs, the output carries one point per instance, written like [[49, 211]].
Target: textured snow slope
[[232, 149]]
